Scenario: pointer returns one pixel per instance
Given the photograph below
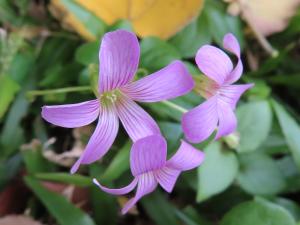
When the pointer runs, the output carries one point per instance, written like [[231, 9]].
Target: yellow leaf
[[164, 18], [68, 20], [161, 18], [267, 16]]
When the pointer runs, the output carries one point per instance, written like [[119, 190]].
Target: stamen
[[205, 87], [109, 98]]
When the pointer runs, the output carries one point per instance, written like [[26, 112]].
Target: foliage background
[[251, 177]]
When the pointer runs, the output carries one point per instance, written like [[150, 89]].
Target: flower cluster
[[118, 93]]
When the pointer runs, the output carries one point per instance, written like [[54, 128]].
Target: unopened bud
[[233, 140]]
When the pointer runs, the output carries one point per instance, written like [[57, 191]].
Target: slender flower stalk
[[218, 89], [149, 167], [34, 93], [174, 106], [116, 96]]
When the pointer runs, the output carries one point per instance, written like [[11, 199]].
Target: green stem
[[58, 91], [35, 93], [174, 106]]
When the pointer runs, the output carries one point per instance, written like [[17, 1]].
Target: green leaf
[[21, 66], [260, 175], [54, 52], [218, 171], [119, 164], [8, 14], [172, 132], [84, 77], [34, 160], [290, 206], [192, 37], [221, 23], [9, 169], [254, 124], [23, 6], [75, 179], [290, 172], [185, 218], [156, 53], [12, 129], [88, 53], [8, 89], [290, 129], [159, 209], [59, 207], [289, 80], [190, 216], [260, 91], [60, 75], [275, 142], [105, 206], [293, 28], [258, 212], [194, 70]]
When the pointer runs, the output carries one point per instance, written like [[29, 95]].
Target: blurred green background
[[49, 51]]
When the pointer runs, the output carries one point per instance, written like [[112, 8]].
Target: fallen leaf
[[69, 21], [68, 158], [30, 31], [77, 195], [14, 197], [267, 16], [18, 219], [37, 10], [161, 18], [123, 200]]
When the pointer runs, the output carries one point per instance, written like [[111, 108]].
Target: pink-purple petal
[[200, 122], [231, 44], [167, 177], [136, 121], [148, 154], [170, 82], [232, 93], [119, 58], [227, 120], [214, 63], [146, 184], [117, 191], [235, 73], [186, 158], [72, 115], [102, 138]]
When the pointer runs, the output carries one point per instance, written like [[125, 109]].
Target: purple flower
[[217, 87], [149, 167], [119, 59]]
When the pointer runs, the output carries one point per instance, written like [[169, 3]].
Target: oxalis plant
[[117, 93], [161, 112]]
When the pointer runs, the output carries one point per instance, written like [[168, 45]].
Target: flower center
[[206, 87], [110, 97]]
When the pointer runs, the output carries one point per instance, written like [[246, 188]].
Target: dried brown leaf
[[267, 16], [18, 220]]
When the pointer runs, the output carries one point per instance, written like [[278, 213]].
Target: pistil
[[110, 97], [205, 86]]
